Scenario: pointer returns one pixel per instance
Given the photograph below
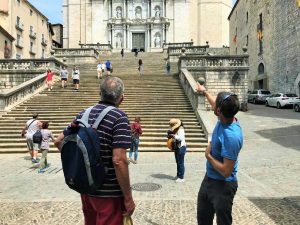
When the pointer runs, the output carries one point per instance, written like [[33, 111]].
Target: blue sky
[[50, 8], [53, 9]]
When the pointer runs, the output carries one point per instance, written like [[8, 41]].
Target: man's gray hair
[[111, 89]]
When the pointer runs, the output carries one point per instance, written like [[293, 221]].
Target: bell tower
[[213, 25]]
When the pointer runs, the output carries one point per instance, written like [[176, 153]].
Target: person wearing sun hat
[[178, 134]]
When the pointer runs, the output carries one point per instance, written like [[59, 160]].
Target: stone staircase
[[155, 98]]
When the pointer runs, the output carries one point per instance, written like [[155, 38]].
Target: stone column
[[124, 37], [148, 37], [163, 34], [128, 37], [162, 14], [124, 13]]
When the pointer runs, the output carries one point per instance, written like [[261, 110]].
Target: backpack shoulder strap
[[101, 116], [30, 124], [85, 117]]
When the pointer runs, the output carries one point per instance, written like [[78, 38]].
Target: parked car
[[280, 100], [297, 106], [259, 95]]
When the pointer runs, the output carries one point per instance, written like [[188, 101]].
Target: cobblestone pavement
[[269, 184]]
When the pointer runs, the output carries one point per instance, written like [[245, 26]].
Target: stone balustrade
[[30, 64], [75, 52], [216, 62], [76, 55], [11, 97], [221, 73], [175, 52], [97, 46], [188, 50], [197, 101], [177, 44]]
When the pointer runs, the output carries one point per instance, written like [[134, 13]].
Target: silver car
[[280, 100], [259, 95]]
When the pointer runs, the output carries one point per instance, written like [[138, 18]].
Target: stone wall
[[221, 73], [280, 39]]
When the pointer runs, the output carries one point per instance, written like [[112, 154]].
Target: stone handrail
[[178, 44], [197, 101], [98, 46], [67, 52], [188, 50], [215, 62], [13, 96], [30, 64]]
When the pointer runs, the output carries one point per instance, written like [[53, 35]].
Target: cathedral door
[[138, 41]]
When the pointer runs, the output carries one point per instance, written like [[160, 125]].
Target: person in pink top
[[136, 131], [49, 79]]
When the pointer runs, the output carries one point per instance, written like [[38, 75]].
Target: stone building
[[270, 29], [28, 26], [57, 39], [145, 24]]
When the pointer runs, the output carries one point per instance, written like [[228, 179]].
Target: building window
[[18, 20], [42, 22], [18, 38], [43, 53], [261, 69], [261, 21], [247, 17], [260, 34], [31, 12], [247, 40]]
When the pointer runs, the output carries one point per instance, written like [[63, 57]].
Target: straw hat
[[174, 124]]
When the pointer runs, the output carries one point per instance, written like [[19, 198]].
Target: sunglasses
[[224, 98]]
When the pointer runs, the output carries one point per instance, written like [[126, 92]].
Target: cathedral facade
[[145, 24]]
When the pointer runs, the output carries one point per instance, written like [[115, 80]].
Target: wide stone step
[[21, 144], [161, 121], [141, 149], [155, 98], [13, 134]]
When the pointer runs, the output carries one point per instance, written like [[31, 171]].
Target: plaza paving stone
[[268, 193]]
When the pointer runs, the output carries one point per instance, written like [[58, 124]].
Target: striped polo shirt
[[114, 132]]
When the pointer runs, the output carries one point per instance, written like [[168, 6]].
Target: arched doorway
[[261, 69]]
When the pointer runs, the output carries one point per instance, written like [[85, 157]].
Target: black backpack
[[82, 165], [37, 137]]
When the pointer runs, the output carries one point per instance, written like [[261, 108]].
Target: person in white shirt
[[28, 131], [75, 76], [99, 70], [178, 134]]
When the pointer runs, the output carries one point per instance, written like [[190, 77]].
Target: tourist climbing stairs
[[155, 97]]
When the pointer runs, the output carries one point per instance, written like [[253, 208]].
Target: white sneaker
[[179, 180]]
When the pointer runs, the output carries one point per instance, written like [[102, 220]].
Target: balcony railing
[[44, 42], [19, 43], [19, 26], [32, 34]]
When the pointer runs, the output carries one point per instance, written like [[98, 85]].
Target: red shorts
[[102, 211]]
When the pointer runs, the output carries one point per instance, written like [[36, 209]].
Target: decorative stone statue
[[157, 41], [119, 41], [138, 13], [157, 11], [119, 12]]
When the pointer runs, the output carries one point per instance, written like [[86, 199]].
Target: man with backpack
[[31, 127], [113, 199]]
